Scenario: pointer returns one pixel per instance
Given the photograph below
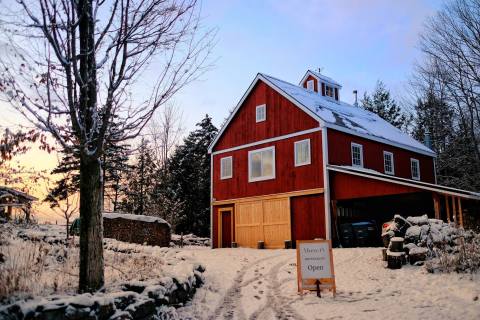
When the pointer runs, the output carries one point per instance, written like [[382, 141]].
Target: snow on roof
[[343, 115], [324, 77], [137, 217]]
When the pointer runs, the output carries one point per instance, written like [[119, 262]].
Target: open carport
[[359, 195]]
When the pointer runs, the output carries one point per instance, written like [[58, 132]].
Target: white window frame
[[309, 160], [412, 161], [311, 85], [392, 172], [361, 154], [262, 178], [260, 119], [222, 177]]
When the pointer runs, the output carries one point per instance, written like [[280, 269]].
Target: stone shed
[[134, 228]]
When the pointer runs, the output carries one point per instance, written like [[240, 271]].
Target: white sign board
[[315, 264], [315, 260]]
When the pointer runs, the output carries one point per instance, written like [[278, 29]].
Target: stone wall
[[132, 300], [148, 230]]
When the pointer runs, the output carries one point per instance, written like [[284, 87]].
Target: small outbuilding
[[12, 201], [153, 231]]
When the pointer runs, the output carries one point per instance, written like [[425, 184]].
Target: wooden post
[[460, 211], [436, 205], [335, 235], [454, 210], [447, 208], [9, 213]]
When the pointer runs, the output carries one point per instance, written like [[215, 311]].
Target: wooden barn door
[[276, 222], [225, 222], [263, 220], [248, 223]]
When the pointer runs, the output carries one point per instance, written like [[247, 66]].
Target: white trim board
[[406, 182], [256, 143]]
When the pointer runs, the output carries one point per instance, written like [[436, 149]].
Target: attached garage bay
[[273, 220]]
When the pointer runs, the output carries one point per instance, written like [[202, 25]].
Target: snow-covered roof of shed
[[343, 115], [323, 77], [136, 217]]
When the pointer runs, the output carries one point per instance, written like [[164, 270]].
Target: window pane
[[267, 159], [256, 165]]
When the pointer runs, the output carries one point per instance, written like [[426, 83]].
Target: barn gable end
[[282, 118]]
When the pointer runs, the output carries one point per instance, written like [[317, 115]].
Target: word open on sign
[[315, 264]]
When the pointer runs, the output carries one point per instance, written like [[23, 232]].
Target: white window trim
[[221, 168], [264, 106], [412, 160], [333, 91], [250, 178], [309, 161], [361, 154], [393, 163], [312, 82]]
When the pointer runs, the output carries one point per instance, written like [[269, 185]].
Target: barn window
[[357, 155], [310, 85], [261, 164], [261, 113], [329, 91], [226, 170], [388, 162], [302, 152], [415, 166]]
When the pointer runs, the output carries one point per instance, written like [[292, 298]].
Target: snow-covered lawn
[[261, 284]]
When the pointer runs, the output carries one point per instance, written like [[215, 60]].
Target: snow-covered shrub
[[464, 257]]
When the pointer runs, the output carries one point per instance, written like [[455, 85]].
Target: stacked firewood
[[417, 239]]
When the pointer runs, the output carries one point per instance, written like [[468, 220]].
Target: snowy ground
[[261, 284]]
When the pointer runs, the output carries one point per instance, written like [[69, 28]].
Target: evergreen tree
[[381, 103], [189, 180], [114, 165], [141, 182]]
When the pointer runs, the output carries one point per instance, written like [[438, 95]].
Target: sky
[[355, 42]]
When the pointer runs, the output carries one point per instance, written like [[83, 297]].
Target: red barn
[[293, 162]]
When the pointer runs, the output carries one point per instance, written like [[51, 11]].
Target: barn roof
[[19, 195], [336, 115]]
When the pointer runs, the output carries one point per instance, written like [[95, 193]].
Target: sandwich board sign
[[315, 266]]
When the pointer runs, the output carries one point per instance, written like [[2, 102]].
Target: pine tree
[[381, 103], [114, 165], [189, 180], [141, 182]]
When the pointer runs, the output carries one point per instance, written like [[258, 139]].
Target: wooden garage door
[[263, 220]]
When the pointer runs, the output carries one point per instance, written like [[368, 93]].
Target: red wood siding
[[315, 83], [346, 186], [308, 217], [339, 153], [283, 117], [287, 176]]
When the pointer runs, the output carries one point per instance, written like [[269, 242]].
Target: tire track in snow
[[230, 308], [279, 304]]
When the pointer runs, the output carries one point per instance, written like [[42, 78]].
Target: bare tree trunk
[[91, 227], [68, 231]]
